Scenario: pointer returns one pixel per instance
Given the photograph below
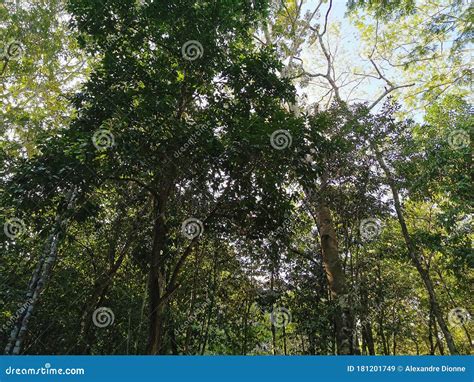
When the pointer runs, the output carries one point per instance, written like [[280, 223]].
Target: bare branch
[[387, 92], [326, 18]]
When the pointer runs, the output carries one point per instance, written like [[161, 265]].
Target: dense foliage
[[166, 189]]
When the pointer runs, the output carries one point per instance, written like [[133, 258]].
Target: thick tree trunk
[[424, 274], [336, 278], [333, 267]]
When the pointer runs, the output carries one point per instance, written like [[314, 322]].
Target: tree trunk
[[156, 285], [86, 336], [425, 276], [366, 324], [439, 343], [40, 276], [100, 288], [430, 333], [273, 329], [336, 278], [172, 335], [466, 331], [382, 335]]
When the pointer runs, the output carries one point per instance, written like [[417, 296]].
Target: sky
[[348, 56], [348, 59]]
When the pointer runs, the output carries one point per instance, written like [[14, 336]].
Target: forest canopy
[[236, 177]]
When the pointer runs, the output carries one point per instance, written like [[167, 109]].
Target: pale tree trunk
[[414, 256], [333, 268], [40, 277], [334, 271], [336, 278]]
